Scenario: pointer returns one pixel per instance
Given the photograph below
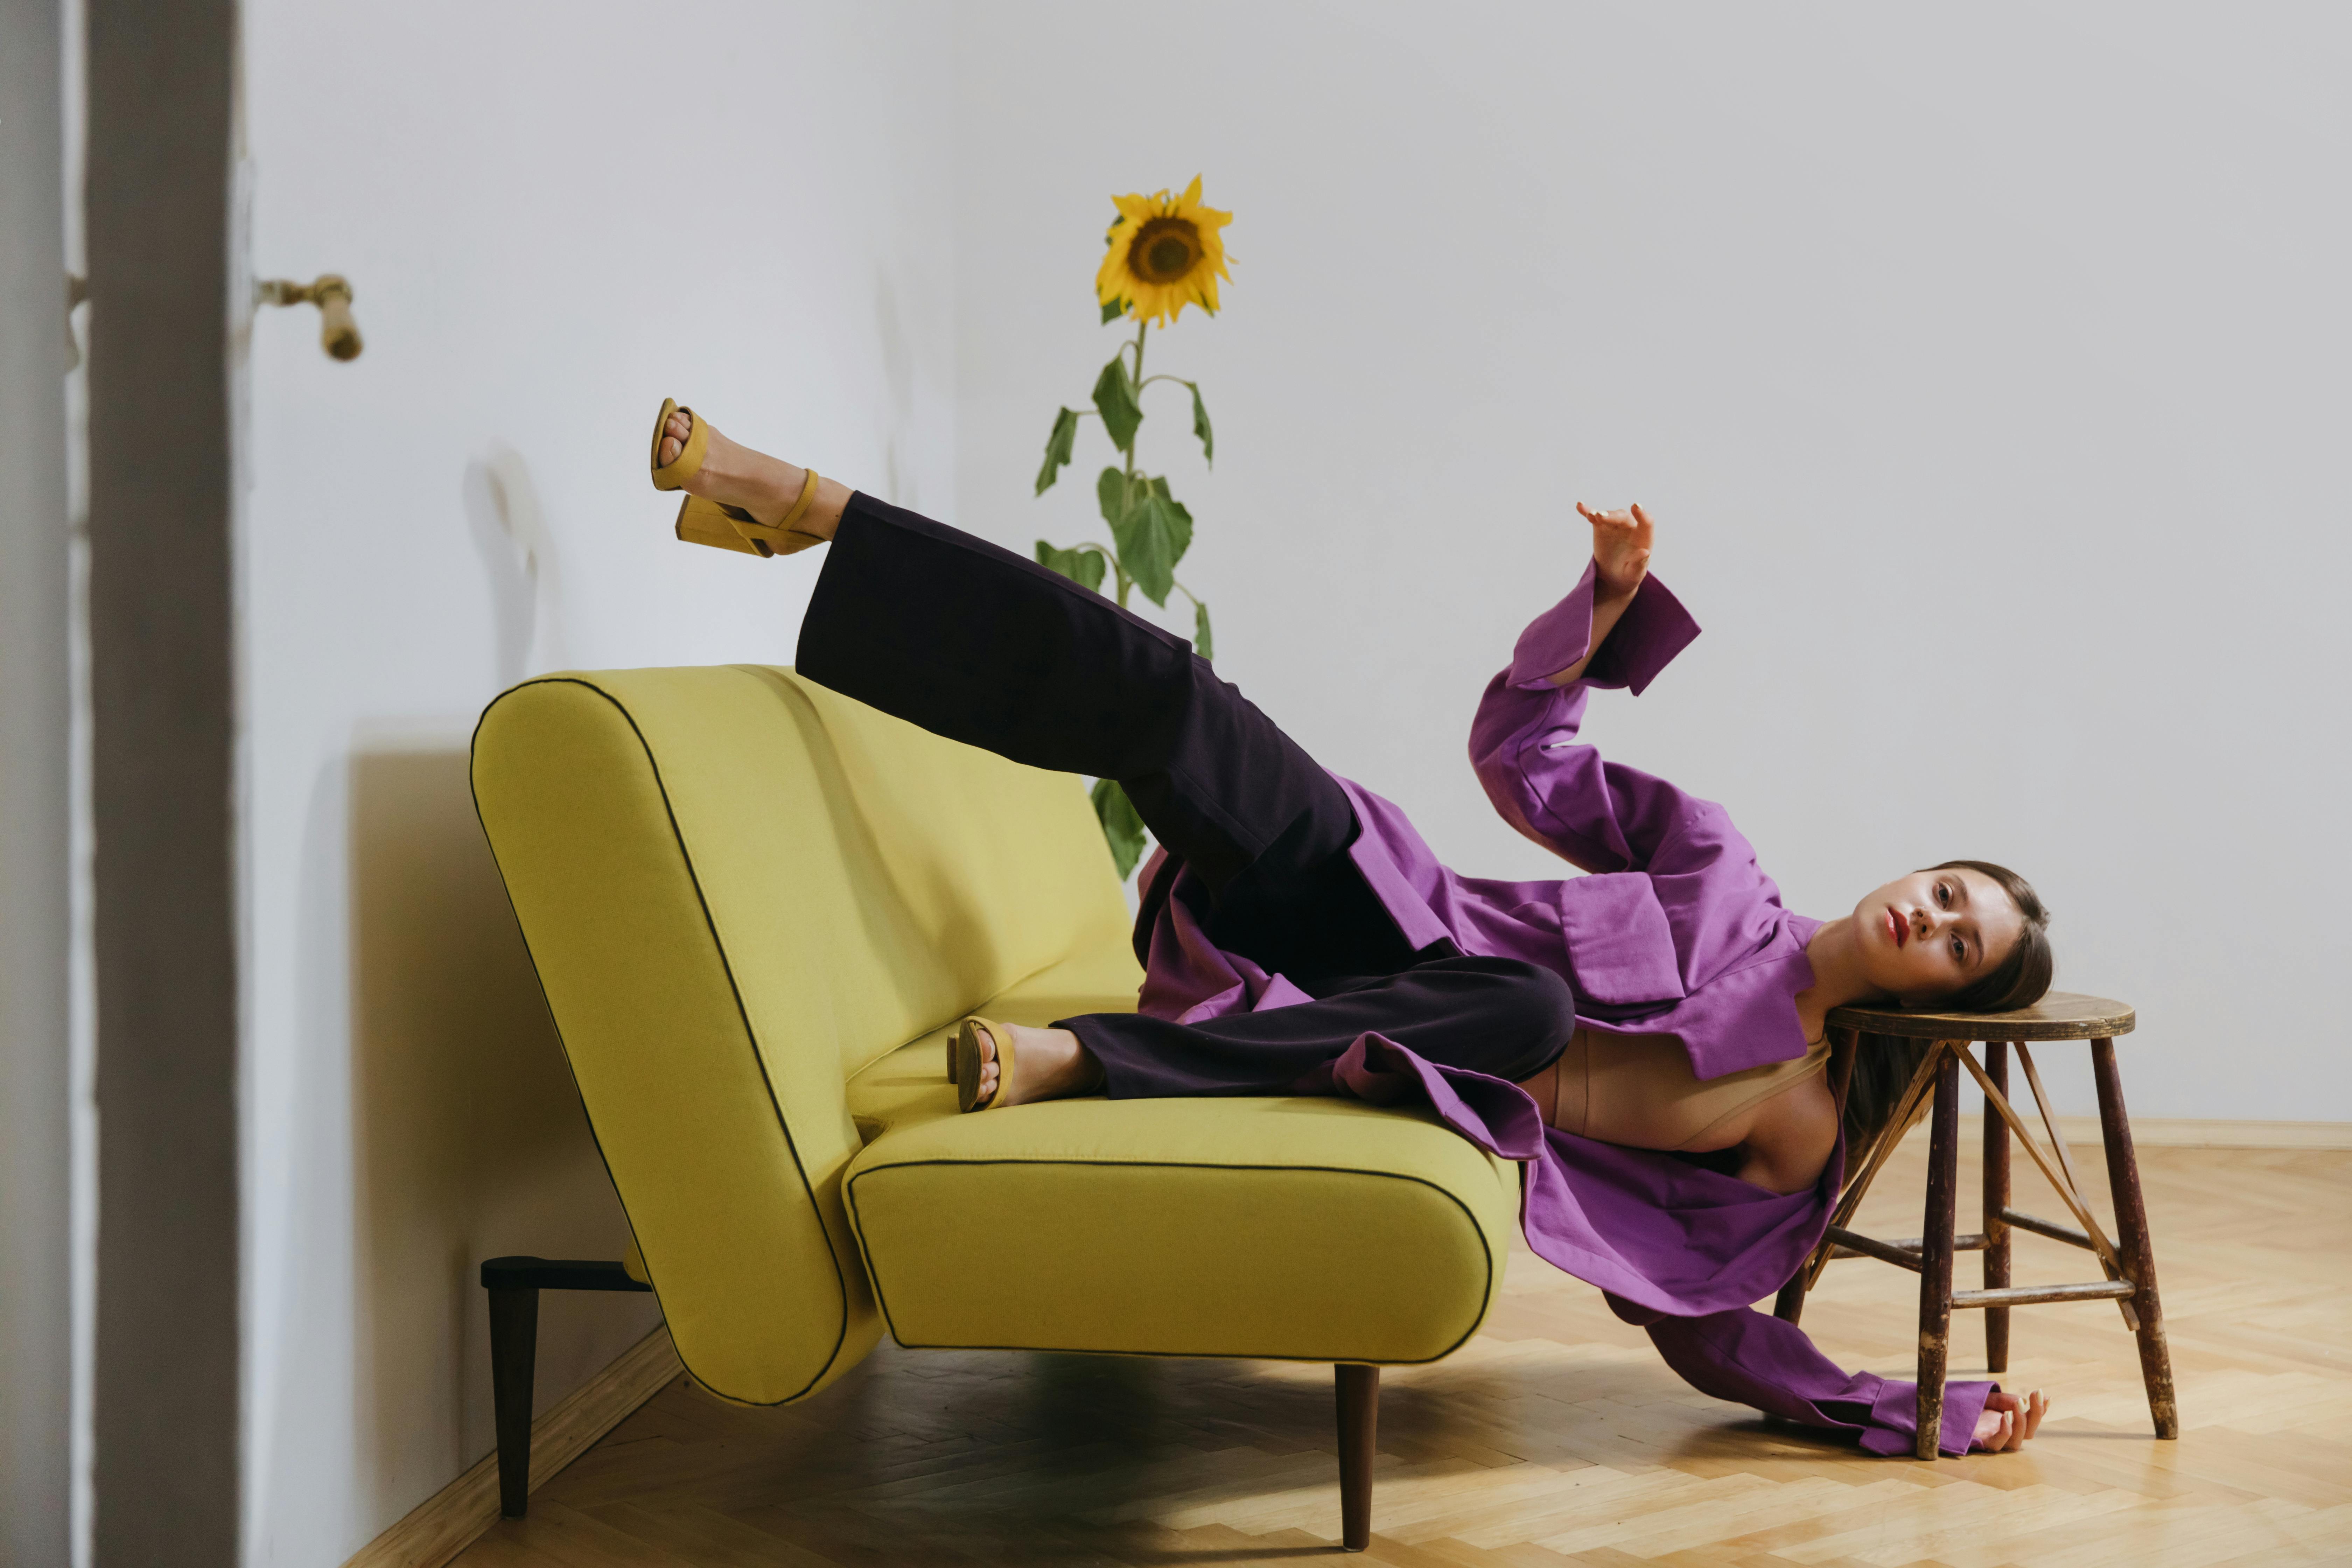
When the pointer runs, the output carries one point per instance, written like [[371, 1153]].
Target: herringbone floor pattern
[[1556, 1437]]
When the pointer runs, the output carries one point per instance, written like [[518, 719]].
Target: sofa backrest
[[738, 888]]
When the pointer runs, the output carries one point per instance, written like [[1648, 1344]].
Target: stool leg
[[1936, 1250], [2131, 1239], [1996, 1199]]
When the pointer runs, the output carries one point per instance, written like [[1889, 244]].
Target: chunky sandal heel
[[701, 521]]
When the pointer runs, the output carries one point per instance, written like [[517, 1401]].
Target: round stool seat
[[2060, 1015]]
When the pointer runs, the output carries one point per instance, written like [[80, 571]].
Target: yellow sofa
[[758, 909]]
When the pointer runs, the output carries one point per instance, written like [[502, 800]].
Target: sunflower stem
[[1126, 480]]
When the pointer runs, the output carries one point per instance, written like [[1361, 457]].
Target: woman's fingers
[[2009, 1422], [1996, 1426]]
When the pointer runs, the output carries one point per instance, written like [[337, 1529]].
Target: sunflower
[[1165, 254]]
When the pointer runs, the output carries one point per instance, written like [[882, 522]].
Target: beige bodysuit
[[1638, 1091]]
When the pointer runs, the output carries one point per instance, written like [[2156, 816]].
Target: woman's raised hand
[[1620, 549], [2008, 1420]]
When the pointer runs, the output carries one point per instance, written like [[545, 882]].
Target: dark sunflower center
[[1164, 249]]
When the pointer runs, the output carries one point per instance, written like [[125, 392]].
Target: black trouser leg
[[976, 643], [1494, 1016]]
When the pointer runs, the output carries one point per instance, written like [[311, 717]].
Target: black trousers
[[976, 643]]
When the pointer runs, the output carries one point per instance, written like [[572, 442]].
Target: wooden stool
[[2128, 1262]]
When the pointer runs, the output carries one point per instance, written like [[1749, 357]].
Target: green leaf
[[1201, 426], [1082, 566], [1114, 311], [1200, 644], [1115, 399], [1110, 494], [1122, 827], [1152, 537], [1058, 447]]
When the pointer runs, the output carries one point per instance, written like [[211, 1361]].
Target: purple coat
[[1673, 932]]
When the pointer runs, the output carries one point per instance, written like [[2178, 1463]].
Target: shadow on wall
[[509, 529], [470, 1138]]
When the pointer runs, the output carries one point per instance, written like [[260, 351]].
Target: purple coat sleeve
[[1598, 816], [1749, 1358]]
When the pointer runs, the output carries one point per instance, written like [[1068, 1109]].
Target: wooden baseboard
[[451, 1520], [2180, 1132]]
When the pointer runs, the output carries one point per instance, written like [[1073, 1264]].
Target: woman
[[1647, 1038]]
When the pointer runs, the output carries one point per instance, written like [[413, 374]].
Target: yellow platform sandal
[[966, 1072], [701, 521]]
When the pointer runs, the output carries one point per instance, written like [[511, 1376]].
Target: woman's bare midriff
[[1638, 1090]]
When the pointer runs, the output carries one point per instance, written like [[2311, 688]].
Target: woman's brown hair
[[1883, 1065]]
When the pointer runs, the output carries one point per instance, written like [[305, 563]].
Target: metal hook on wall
[[332, 292]]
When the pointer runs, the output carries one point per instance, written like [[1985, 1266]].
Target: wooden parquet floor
[[1556, 1437]]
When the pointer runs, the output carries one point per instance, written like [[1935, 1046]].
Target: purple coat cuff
[[1653, 628]]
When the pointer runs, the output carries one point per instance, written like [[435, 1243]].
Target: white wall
[[1984, 367], [551, 217]]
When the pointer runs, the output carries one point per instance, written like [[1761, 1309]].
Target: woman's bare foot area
[[1048, 1064], [735, 475]]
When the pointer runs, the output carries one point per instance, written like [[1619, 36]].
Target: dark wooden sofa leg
[[514, 1363], [1359, 1389], [514, 1284]]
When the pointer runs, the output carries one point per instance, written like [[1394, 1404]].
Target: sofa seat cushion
[[1311, 1229]]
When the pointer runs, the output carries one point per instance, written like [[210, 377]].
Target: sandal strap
[[767, 537], [801, 506]]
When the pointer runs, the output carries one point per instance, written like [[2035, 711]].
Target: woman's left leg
[[979, 645], [1500, 1016]]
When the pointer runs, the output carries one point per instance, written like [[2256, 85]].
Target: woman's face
[[1926, 936]]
